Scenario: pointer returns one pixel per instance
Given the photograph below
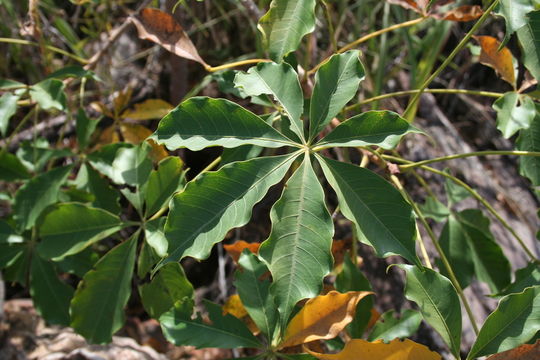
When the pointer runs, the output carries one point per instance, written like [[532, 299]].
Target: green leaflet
[[200, 122], [255, 293], [215, 202], [166, 288], [51, 296], [381, 128], [285, 24], [298, 249], [529, 166], [11, 168], [49, 94], [389, 327], [515, 321], [154, 236], [378, 209], [455, 245], [514, 13], [529, 37], [85, 128], [225, 332], [105, 196], [8, 108], [162, 184], [68, 228], [512, 117], [38, 193], [525, 277], [438, 302], [280, 81], [434, 209], [336, 82], [132, 166], [97, 309]]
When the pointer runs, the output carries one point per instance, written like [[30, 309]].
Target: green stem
[[460, 156], [431, 91], [48, 47], [450, 57], [444, 260]]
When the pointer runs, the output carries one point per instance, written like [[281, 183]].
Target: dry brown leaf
[[148, 110], [234, 250], [136, 134], [419, 5], [323, 317], [523, 352], [161, 28], [501, 60], [462, 13], [394, 350], [121, 100], [108, 136]]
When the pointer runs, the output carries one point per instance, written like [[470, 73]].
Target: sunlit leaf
[[70, 227], [500, 60], [234, 250], [529, 37], [389, 327], [514, 13], [395, 350], [161, 28], [105, 196], [523, 352], [378, 209], [297, 251], [285, 24], [336, 82], [514, 112], [280, 81], [148, 110], [223, 332], [513, 323], [381, 128], [163, 183], [322, 317], [212, 204], [438, 302], [97, 309], [8, 108], [49, 94], [434, 209], [200, 122]]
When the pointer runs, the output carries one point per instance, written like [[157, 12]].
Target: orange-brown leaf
[[394, 350], [234, 250], [161, 28], [136, 134], [108, 136], [501, 61], [323, 317], [419, 6], [523, 352], [462, 13], [148, 110]]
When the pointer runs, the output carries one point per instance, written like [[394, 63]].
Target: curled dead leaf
[[523, 352], [500, 60], [419, 6], [461, 13], [161, 28], [234, 250], [323, 317], [394, 350]]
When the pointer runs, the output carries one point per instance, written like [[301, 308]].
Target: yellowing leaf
[[148, 109], [394, 350], [501, 61], [234, 250], [161, 28], [523, 352], [323, 317], [135, 134], [234, 306]]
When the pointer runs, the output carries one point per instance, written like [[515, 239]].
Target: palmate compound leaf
[[515, 321], [395, 350], [336, 82], [97, 309], [280, 81], [223, 331], [298, 251], [200, 122], [255, 292], [381, 128], [438, 302], [322, 317], [215, 202], [285, 24], [378, 209]]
